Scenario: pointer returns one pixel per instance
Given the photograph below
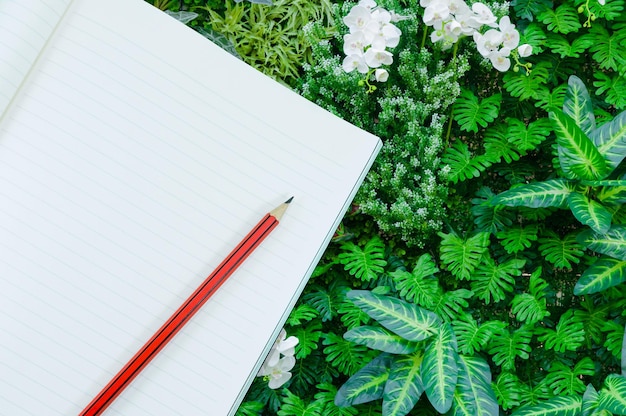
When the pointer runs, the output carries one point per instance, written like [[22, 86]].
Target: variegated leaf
[[439, 369], [367, 384], [550, 193], [610, 139], [603, 274], [555, 406], [380, 339], [474, 395], [612, 243], [613, 395], [589, 212], [407, 320], [404, 387], [578, 156], [578, 106], [612, 194]]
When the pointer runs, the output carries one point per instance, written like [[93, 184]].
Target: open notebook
[[134, 155]]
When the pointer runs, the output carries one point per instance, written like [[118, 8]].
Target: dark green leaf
[[563, 19], [461, 256], [568, 335], [613, 394], [364, 263], [560, 252], [589, 212], [610, 139], [474, 395], [603, 274], [492, 281], [469, 112]]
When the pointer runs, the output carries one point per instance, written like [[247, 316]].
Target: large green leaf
[[492, 281], [613, 395], [407, 320], [556, 406], [404, 386], [590, 403], [612, 194], [364, 263], [550, 193], [474, 395], [461, 255], [469, 112], [380, 339], [578, 156], [578, 105], [561, 252], [589, 212], [624, 354], [610, 139], [612, 243], [439, 369], [506, 346], [568, 335], [603, 274], [367, 384]]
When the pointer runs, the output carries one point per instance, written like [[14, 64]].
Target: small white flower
[[368, 4], [353, 43], [352, 62], [395, 17], [525, 50], [499, 59], [489, 42], [483, 15], [510, 34], [381, 75], [435, 14], [453, 29], [602, 2], [286, 346], [278, 374], [377, 57]]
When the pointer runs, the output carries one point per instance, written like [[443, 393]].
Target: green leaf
[[556, 406], [610, 139], [524, 86], [326, 396], [614, 337], [366, 263], [308, 337], [624, 354], [578, 156], [589, 212], [380, 339], [613, 395], [471, 337], [551, 99], [461, 256], [612, 243], [590, 403], [612, 194], [516, 239], [559, 44], [407, 320], [564, 380], [491, 280], [568, 335], [343, 354], [404, 386], [528, 9], [506, 346], [560, 252], [603, 274], [488, 217], [550, 193], [367, 384], [474, 395], [452, 303], [578, 105], [302, 313], [527, 138], [470, 113], [292, 405], [439, 369], [463, 165], [607, 49], [419, 286], [611, 87], [531, 307], [508, 390], [563, 19], [498, 147]]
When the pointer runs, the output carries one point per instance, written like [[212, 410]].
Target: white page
[[25, 26], [135, 157]]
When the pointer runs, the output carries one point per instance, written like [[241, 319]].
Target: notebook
[[134, 155]]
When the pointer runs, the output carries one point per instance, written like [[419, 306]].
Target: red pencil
[[185, 312]]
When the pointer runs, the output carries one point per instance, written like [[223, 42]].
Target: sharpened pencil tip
[[289, 200]]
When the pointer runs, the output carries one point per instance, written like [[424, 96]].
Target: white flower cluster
[[453, 19], [371, 32], [279, 361]]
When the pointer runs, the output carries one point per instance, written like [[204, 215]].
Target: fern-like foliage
[[308, 338], [523, 86], [463, 165], [498, 147], [293, 405], [461, 256], [326, 299], [507, 346], [516, 239], [560, 252], [488, 217], [419, 286], [472, 337], [344, 355], [469, 112], [527, 138], [491, 281], [364, 263], [531, 307], [451, 304], [563, 19], [611, 87], [568, 335], [325, 397], [508, 389], [607, 49], [560, 45], [302, 313], [614, 338], [565, 380]]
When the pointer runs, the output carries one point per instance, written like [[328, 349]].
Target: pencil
[[198, 298]]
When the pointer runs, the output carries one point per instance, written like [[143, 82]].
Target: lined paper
[[26, 27], [134, 158]]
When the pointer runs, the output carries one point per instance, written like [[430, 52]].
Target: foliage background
[[424, 228]]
